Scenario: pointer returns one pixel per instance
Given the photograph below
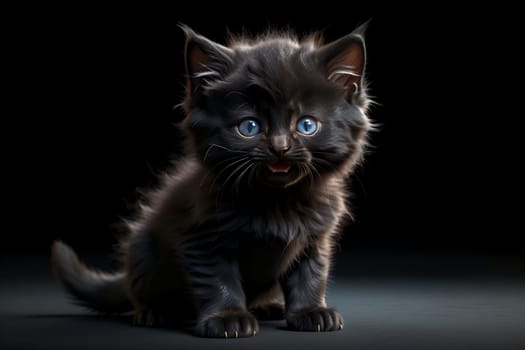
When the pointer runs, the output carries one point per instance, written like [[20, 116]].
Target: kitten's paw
[[274, 311], [227, 324], [318, 319], [148, 318]]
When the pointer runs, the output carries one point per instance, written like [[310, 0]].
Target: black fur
[[245, 226]]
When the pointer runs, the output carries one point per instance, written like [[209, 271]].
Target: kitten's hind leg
[[156, 286]]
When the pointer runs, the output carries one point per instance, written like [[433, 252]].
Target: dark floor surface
[[387, 301]]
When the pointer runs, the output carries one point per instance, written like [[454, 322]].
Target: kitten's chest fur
[[272, 228], [264, 229], [261, 261]]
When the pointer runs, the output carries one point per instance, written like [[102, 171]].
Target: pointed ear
[[343, 61], [206, 61]]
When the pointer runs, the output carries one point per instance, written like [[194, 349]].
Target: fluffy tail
[[96, 290]]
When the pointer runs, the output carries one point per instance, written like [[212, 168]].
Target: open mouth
[[281, 167]]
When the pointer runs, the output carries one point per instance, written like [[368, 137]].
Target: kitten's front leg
[[304, 290], [222, 303]]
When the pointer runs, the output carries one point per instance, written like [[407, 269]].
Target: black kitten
[[246, 223]]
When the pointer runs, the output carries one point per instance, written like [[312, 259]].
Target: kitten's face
[[271, 114]]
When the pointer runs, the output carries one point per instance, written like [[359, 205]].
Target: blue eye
[[307, 125], [249, 127]]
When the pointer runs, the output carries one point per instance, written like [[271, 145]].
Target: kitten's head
[[275, 111]]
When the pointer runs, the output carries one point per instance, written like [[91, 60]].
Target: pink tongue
[[280, 167]]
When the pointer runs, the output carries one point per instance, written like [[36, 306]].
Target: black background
[[93, 91]]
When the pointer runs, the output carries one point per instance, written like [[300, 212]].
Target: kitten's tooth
[[318, 327], [226, 334], [254, 332], [279, 170], [341, 326], [236, 334]]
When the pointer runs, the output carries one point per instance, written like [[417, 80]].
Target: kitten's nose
[[280, 144]]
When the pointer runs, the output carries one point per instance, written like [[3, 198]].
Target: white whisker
[[209, 172], [206, 74], [227, 167], [236, 170], [221, 147], [241, 175]]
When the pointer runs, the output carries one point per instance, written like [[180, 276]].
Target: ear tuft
[[362, 28], [344, 60], [206, 61]]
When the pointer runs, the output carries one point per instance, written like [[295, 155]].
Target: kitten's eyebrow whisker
[[236, 92], [205, 74]]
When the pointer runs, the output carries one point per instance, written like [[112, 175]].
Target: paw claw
[[227, 324], [317, 319]]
